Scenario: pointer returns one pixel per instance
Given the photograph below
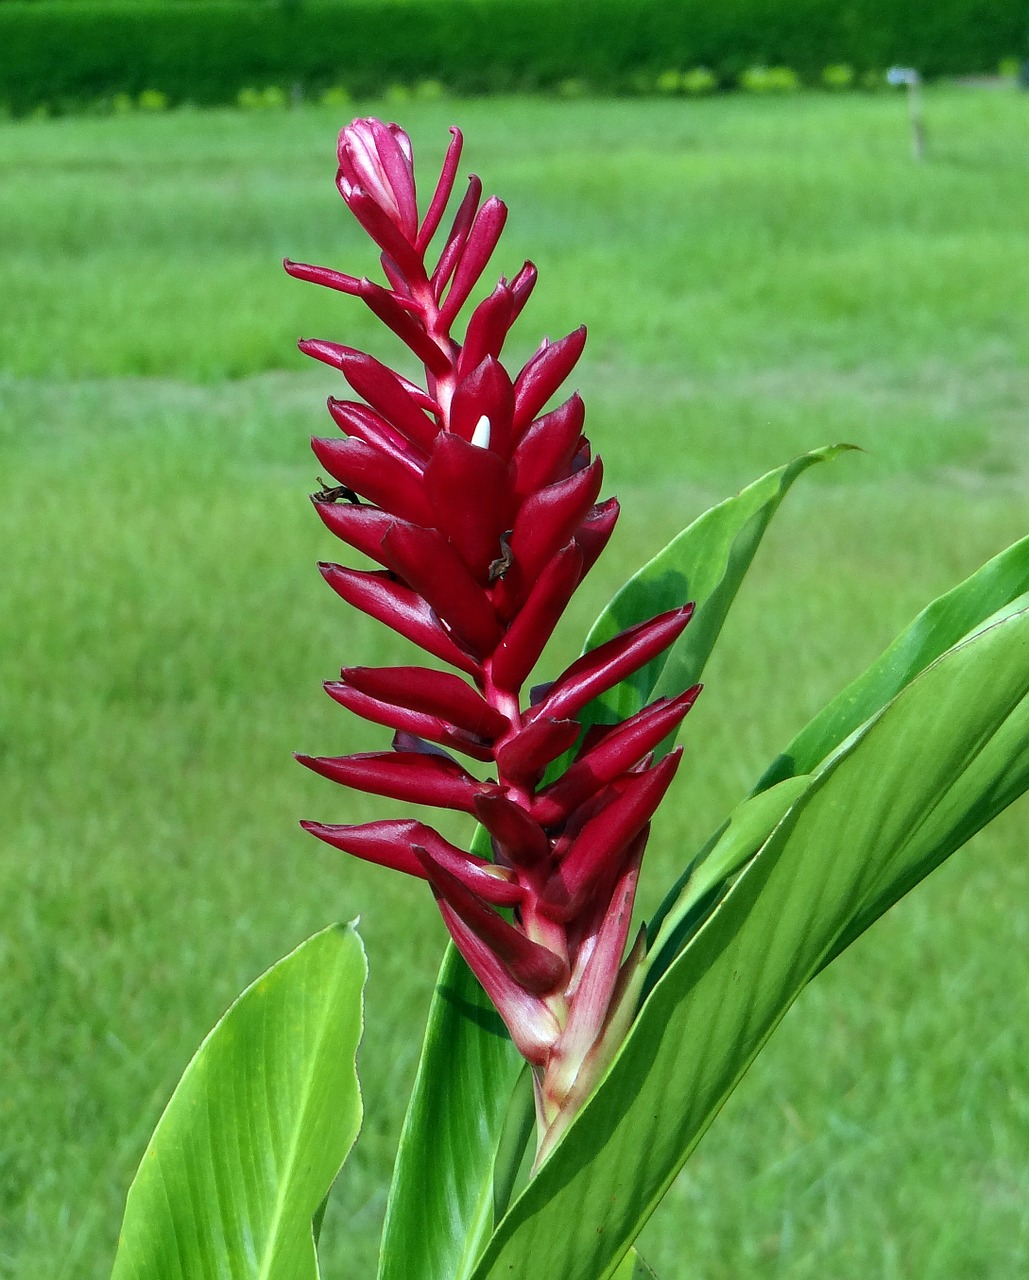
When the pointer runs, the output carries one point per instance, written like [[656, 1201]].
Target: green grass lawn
[[759, 277]]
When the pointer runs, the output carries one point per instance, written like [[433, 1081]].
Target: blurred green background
[[760, 275]]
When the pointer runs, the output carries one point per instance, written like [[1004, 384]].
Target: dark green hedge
[[207, 50]]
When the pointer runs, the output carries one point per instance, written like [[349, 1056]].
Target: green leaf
[[999, 586], [440, 1208], [712, 870], [438, 1214], [993, 592], [633, 1267], [944, 757], [516, 1149], [257, 1129], [706, 564]]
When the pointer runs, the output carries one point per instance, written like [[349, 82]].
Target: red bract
[[481, 507]]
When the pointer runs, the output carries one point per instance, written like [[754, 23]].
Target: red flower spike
[[522, 286], [544, 373], [470, 492], [358, 525], [519, 840], [532, 1025], [598, 851], [532, 966], [377, 476], [327, 352], [367, 425], [550, 517], [389, 843], [524, 756], [488, 326], [322, 275], [488, 883], [398, 280], [569, 831], [377, 223], [618, 751], [387, 394], [444, 187], [520, 649], [437, 693], [595, 532], [602, 668], [403, 718], [396, 316], [544, 453], [404, 775], [395, 604], [432, 568], [485, 516], [593, 928], [485, 393], [376, 159], [592, 985], [405, 741], [455, 243], [477, 251]]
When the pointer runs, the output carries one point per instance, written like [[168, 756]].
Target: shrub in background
[[270, 99], [153, 100], [334, 96], [208, 50], [838, 76], [699, 80], [695, 82], [769, 80]]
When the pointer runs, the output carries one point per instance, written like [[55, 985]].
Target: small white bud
[[480, 436]]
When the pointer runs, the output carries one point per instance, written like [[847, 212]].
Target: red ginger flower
[[482, 511]]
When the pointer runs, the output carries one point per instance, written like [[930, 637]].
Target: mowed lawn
[[759, 277]]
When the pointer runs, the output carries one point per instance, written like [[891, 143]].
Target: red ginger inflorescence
[[483, 511]]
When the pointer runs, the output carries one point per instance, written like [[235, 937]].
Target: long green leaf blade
[[940, 761], [1000, 583], [440, 1208], [256, 1130], [436, 1217], [996, 590], [713, 869], [706, 563], [634, 1267]]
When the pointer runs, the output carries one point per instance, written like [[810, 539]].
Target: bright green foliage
[[706, 563], [206, 51], [698, 81], [441, 1202], [257, 1130], [1001, 585], [769, 80], [443, 1184], [633, 1267], [838, 75], [998, 589], [942, 759]]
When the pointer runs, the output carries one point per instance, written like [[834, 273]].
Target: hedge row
[[206, 51]]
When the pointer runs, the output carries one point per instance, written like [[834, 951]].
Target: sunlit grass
[[759, 278]]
